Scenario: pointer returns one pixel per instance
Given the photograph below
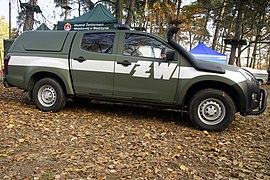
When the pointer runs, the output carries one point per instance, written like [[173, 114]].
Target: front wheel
[[211, 109], [48, 95]]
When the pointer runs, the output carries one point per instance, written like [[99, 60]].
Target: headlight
[[248, 75]]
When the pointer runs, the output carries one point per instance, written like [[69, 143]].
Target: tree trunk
[[257, 38], [178, 9], [253, 62], [151, 21], [268, 55], [219, 20], [190, 41], [229, 30], [259, 64], [248, 56], [232, 55], [29, 17], [66, 10], [130, 17], [177, 36], [119, 10], [79, 7], [239, 57], [238, 28], [202, 36]]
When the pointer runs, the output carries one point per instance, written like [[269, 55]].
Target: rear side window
[[98, 42]]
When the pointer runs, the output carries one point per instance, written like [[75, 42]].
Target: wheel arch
[[40, 75], [233, 93]]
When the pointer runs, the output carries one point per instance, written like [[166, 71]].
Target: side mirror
[[169, 54]]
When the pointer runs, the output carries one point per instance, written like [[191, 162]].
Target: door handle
[[80, 59], [124, 63]]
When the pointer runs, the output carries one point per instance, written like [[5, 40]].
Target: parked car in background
[[262, 76]]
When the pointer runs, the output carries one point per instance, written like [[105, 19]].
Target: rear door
[[92, 63], [142, 73]]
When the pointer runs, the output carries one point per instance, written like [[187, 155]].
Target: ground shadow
[[132, 110]]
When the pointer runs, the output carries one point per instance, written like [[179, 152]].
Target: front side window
[[98, 42], [144, 46]]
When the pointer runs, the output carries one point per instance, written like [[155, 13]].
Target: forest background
[[238, 28]]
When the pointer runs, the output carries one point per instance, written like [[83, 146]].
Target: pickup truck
[[130, 67]]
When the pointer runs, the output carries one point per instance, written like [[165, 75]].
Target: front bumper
[[262, 102]]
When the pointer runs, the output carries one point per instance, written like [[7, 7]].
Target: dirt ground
[[112, 141]]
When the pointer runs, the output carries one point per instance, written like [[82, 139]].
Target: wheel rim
[[47, 95], [211, 111]]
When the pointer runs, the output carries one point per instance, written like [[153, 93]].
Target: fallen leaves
[[10, 126], [114, 141], [183, 168], [209, 148]]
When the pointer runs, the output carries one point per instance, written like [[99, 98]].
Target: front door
[[142, 73]]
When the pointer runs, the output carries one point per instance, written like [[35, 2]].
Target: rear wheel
[[48, 95], [211, 109]]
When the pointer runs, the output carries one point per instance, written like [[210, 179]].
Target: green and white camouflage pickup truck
[[133, 67]]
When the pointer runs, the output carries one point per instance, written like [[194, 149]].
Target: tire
[[212, 110], [49, 95]]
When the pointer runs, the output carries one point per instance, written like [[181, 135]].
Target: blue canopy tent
[[202, 52]]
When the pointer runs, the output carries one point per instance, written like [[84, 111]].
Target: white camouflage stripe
[[142, 69], [93, 65], [190, 72], [60, 63]]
